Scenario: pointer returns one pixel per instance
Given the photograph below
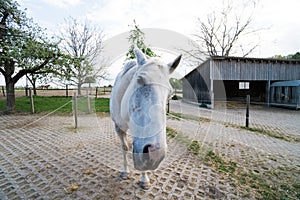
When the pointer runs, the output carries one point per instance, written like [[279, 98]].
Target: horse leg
[[124, 144], [145, 182]]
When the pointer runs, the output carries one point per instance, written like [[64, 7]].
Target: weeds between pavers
[[280, 136], [262, 183], [179, 116], [269, 133], [194, 147]]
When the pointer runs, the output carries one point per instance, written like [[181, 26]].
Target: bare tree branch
[[83, 42], [222, 32]]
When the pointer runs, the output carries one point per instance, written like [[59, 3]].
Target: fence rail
[[95, 91]]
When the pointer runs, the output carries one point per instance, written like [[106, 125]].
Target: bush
[[174, 97], [203, 105]]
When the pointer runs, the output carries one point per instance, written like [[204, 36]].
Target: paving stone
[[49, 159]]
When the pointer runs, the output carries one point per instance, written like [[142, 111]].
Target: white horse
[[138, 103]]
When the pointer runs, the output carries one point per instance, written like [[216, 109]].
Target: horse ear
[[140, 56], [141, 78], [174, 64]]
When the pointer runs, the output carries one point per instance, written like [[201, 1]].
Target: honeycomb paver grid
[[54, 161], [277, 120], [50, 160]]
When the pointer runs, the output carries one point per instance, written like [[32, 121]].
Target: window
[[244, 85]]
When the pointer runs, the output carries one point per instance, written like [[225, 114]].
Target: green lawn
[[49, 104]]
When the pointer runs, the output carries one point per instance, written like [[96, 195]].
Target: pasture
[[210, 154], [49, 104]]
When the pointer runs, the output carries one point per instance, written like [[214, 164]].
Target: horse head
[[144, 107]]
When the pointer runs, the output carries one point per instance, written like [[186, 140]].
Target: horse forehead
[[144, 95], [153, 65], [155, 72], [140, 103]]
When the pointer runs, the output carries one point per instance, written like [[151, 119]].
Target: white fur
[[153, 72], [138, 102]]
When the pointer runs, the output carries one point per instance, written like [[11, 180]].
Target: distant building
[[232, 78]]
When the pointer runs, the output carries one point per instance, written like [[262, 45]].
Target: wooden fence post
[[26, 91], [75, 109], [31, 101], [67, 91], [247, 110], [3, 91], [88, 104]]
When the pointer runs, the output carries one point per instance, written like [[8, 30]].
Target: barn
[[220, 79]]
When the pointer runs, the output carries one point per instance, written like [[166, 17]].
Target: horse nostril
[[146, 148]]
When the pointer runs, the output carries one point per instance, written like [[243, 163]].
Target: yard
[[210, 154]]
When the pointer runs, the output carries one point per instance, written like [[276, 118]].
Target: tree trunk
[[79, 89], [32, 80], [10, 96], [34, 89], [9, 67]]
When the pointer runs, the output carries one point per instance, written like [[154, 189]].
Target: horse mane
[[128, 65], [133, 63]]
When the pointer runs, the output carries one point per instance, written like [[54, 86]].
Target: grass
[[279, 183], [49, 104], [268, 187], [219, 163], [261, 183], [269, 133], [188, 117], [281, 136], [171, 133], [177, 136], [194, 147]]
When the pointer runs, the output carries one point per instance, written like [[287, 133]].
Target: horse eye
[[138, 109]]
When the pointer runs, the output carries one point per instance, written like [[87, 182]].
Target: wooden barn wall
[[196, 85], [254, 70]]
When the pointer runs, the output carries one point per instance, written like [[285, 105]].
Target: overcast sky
[[278, 19]]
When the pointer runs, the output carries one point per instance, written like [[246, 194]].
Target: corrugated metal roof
[[286, 83]]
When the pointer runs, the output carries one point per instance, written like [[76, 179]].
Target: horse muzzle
[[148, 156]]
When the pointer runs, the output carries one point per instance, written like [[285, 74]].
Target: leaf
[[87, 172], [71, 188]]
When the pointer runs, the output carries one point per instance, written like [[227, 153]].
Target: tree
[[278, 57], [23, 48], [296, 56], [290, 56], [41, 76], [83, 43], [33, 79], [176, 84], [221, 33], [136, 39]]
